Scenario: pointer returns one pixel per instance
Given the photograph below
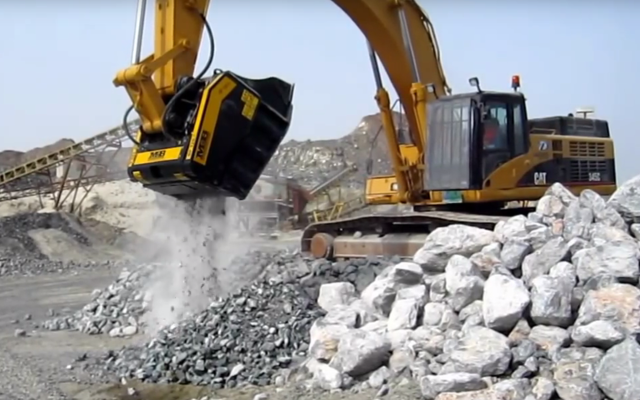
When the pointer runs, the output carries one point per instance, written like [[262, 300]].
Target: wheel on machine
[[322, 245]]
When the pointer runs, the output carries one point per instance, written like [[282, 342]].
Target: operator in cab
[[492, 136]]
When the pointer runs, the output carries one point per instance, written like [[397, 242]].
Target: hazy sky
[[59, 59]]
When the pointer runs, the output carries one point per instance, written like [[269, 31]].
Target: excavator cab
[[471, 135], [219, 138], [482, 148]]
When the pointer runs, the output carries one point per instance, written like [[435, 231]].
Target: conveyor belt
[[50, 160]]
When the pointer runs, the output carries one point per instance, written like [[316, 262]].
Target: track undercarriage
[[389, 235]]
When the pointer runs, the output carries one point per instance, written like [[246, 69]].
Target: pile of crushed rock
[[118, 309], [313, 162], [37, 243], [544, 306]]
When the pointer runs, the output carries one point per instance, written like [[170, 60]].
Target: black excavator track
[[388, 235]]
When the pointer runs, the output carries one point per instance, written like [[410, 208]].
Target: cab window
[[519, 133], [496, 126]]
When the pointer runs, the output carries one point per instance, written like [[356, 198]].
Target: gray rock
[[618, 304], [472, 314], [342, 315], [440, 315], [551, 301], [432, 385], [635, 231], [504, 300], [407, 273], [482, 351], [602, 334], [513, 253], [379, 377], [361, 352], [398, 338], [514, 227], [562, 193], [383, 391], [336, 294], [522, 351], [599, 281], [542, 260], [574, 374], [618, 258], [444, 242], [404, 314], [542, 389], [538, 237], [601, 234], [566, 271], [577, 244], [617, 373], [487, 259], [438, 288], [511, 389], [464, 282], [577, 221], [550, 206], [429, 339], [325, 377], [549, 338], [533, 218], [401, 359], [602, 212], [626, 200], [519, 332], [417, 292], [380, 295]]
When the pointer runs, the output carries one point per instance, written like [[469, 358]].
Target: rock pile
[[545, 306], [21, 238], [247, 337], [312, 162], [15, 241], [115, 310], [27, 267], [244, 338], [118, 309]]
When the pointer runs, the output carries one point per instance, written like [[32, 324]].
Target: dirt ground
[[43, 364]]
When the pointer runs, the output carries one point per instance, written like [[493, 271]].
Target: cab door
[[503, 133], [448, 155]]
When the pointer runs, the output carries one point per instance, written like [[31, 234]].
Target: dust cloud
[[192, 243]]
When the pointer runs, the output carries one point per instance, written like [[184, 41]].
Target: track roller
[[322, 245]]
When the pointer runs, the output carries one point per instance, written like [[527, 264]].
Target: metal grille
[[584, 170], [586, 149]]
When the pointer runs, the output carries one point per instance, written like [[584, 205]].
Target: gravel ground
[[437, 327], [36, 366]]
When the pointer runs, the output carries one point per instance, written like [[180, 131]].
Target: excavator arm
[[214, 136]]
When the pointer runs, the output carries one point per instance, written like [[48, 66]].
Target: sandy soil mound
[[121, 204], [57, 237]]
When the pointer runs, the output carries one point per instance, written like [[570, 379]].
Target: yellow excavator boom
[[399, 34]]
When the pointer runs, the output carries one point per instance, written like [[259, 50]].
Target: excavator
[[463, 157]]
